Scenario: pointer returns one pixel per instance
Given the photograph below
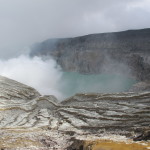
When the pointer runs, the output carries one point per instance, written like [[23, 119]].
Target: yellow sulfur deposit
[[111, 145]]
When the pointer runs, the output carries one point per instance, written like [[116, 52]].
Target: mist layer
[[48, 78]]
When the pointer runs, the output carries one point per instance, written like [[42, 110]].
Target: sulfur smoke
[[42, 75]]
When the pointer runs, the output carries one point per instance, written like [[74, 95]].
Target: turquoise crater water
[[102, 83]]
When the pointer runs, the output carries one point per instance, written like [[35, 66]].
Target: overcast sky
[[24, 22]]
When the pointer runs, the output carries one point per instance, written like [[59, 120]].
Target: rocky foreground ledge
[[84, 121]]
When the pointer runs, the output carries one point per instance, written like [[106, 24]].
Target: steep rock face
[[106, 52]]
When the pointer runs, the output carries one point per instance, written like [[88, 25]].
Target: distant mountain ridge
[[95, 53]]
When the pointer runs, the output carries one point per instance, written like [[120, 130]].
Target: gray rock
[[127, 51]]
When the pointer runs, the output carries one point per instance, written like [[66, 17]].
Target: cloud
[[42, 75], [47, 77], [24, 22]]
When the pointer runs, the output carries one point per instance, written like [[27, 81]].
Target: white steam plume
[[42, 75]]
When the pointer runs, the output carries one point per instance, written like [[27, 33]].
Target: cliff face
[[106, 52]]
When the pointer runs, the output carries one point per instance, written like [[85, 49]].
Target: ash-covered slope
[[97, 53]]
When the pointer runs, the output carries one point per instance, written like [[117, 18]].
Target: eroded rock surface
[[26, 118], [114, 113], [13, 90]]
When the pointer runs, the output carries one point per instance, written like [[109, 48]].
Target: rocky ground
[[31, 121]]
